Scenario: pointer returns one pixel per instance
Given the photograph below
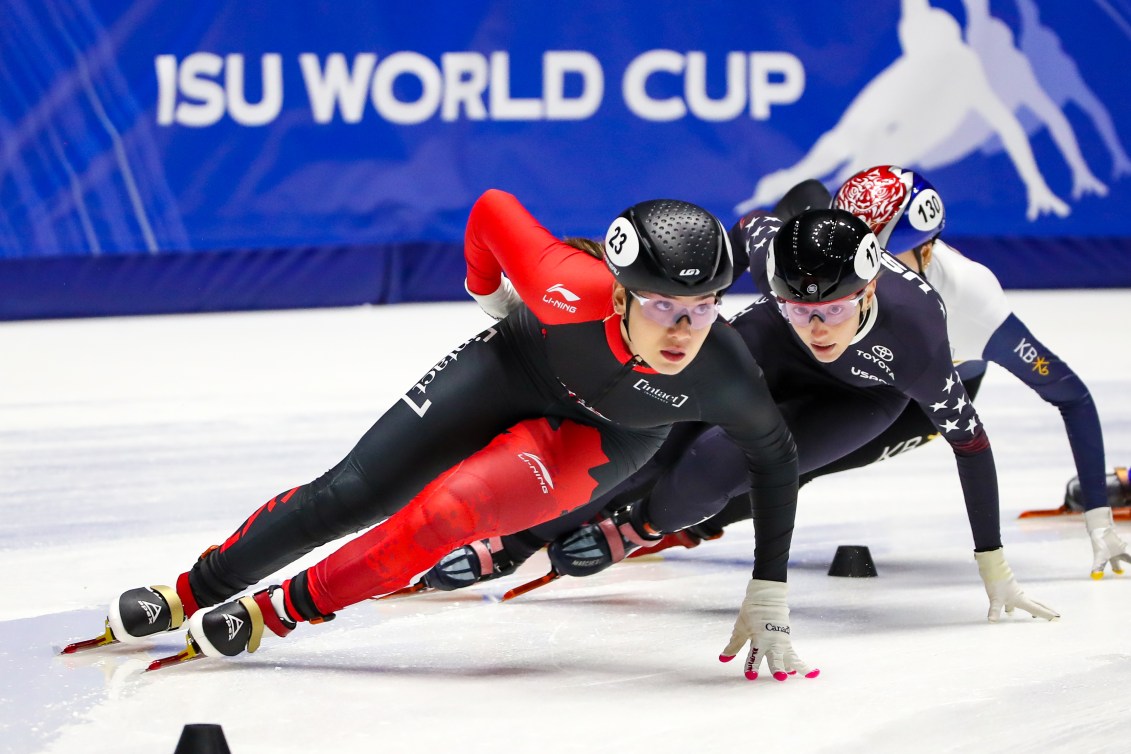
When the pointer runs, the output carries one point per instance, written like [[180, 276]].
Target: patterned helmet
[[900, 206]]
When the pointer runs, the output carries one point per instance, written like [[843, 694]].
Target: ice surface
[[128, 445]]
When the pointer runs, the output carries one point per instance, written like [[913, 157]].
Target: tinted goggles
[[669, 311], [830, 312]]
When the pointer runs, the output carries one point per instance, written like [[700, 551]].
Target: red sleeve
[[559, 283]]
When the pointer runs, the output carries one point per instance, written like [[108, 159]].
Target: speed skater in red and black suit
[[536, 416]]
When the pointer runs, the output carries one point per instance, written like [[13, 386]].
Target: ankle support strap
[[271, 617], [485, 553], [176, 605], [257, 616]]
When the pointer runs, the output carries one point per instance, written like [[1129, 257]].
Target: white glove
[[1107, 547], [763, 621], [499, 304], [1004, 591]]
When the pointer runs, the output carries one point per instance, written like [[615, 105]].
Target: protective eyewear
[[831, 312], [669, 311]]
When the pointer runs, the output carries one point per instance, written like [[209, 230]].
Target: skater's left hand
[[764, 622], [1004, 591], [1107, 547]]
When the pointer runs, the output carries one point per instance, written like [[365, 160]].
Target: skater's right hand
[[763, 621], [478, 561], [499, 304], [1107, 546], [1004, 591]]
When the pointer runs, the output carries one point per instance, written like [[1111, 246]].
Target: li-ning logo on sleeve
[[565, 293], [646, 387], [540, 471]]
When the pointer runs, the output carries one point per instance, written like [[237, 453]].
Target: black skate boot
[[479, 561], [145, 611], [1118, 491], [136, 614], [234, 627], [594, 547]]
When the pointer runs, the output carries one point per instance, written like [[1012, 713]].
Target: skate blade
[[1122, 513], [644, 552], [189, 653], [418, 588], [104, 640], [530, 586], [1063, 510]]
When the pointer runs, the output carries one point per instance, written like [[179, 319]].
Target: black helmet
[[822, 255], [670, 247]]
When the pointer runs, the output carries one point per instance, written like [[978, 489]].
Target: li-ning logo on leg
[[151, 610], [234, 626], [540, 471]]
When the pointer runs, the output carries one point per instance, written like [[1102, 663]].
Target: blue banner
[[168, 156]]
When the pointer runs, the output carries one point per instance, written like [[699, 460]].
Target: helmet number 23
[[617, 241]]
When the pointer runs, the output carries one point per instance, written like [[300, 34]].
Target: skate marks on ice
[[43, 691], [441, 672]]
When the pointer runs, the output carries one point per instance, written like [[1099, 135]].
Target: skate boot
[[145, 611], [594, 547], [1118, 491], [479, 561], [233, 628], [136, 614]]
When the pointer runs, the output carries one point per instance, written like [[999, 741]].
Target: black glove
[[479, 561], [594, 547]]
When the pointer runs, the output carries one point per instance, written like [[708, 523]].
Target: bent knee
[[453, 514]]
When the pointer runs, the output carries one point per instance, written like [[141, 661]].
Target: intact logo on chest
[[646, 387]]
